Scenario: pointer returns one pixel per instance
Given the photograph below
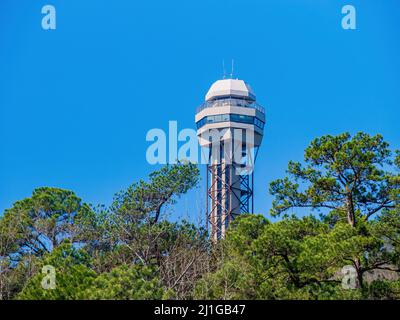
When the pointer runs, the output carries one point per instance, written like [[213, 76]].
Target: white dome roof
[[230, 87]]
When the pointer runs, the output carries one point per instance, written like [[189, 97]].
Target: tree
[[346, 179], [73, 275], [130, 239], [290, 259], [135, 224], [144, 201], [185, 259], [125, 282], [234, 272], [343, 174], [32, 228], [14, 277], [38, 224], [131, 251]]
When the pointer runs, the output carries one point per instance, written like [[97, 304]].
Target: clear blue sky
[[76, 103]]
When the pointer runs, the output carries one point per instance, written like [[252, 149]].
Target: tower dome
[[230, 88]]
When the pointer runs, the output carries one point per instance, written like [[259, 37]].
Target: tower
[[230, 127]]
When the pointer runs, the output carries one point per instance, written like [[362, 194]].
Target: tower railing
[[230, 102]]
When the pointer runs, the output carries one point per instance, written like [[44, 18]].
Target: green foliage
[[397, 159], [127, 251], [343, 174], [290, 259], [236, 277], [13, 280], [135, 226], [73, 275], [349, 180], [144, 200], [126, 283], [131, 251], [38, 224], [383, 290]]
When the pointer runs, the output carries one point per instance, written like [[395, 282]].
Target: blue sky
[[76, 102]]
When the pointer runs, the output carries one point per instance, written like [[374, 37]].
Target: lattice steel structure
[[230, 125]]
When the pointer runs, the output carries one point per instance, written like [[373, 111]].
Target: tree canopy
[[336, 212]]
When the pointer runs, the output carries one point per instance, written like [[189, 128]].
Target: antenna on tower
[[223, 69], [232, 67]]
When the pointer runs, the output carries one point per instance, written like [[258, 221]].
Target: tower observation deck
[[230, 127]]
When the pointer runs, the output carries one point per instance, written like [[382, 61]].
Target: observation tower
[[230, 125]]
